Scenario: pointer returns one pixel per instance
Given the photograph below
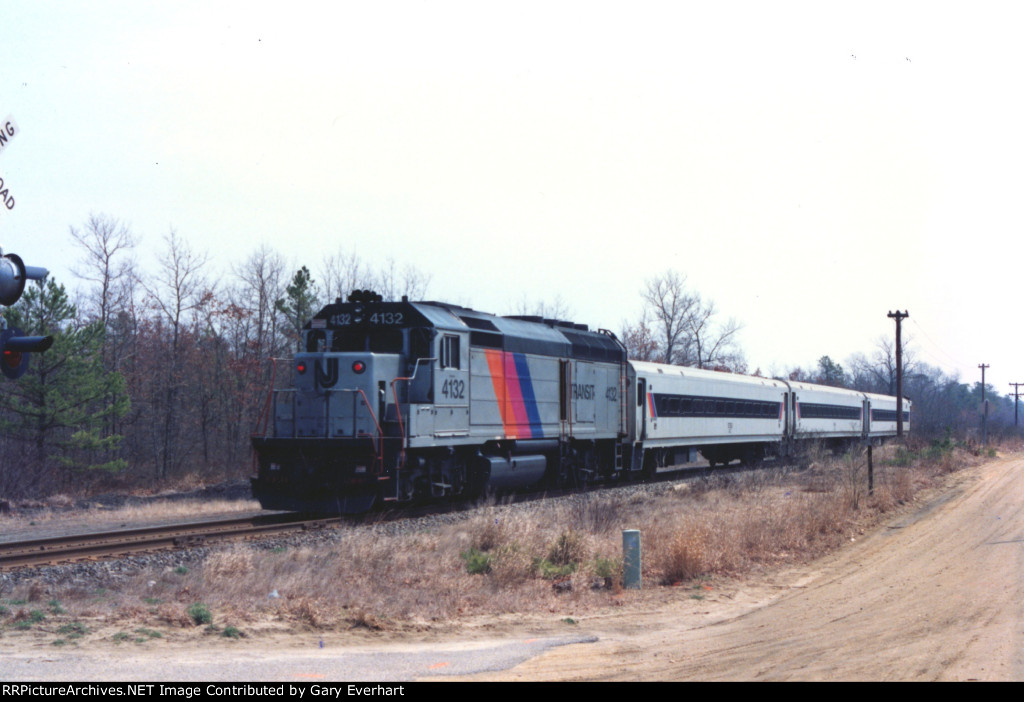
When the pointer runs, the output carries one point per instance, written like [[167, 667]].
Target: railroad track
[[62, 549], [119, 542]]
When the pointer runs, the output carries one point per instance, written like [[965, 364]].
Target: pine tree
[[61, 404], [300, 301]]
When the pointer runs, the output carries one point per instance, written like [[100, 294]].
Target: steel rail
[[66, 548]]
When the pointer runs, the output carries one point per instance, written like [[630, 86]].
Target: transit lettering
[[582, 392]]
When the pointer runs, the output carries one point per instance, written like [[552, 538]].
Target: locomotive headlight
[[358, 367], [357, 314]]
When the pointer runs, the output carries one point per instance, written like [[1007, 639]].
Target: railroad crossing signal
[[17, 350], [13, 275]]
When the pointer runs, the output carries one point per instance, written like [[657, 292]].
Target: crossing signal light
[[13, 275], [17, 350]]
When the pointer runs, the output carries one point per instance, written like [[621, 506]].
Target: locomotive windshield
[[375, 340]]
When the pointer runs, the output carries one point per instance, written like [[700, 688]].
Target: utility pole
[[1016, 399], [899, 317], [984, 407]]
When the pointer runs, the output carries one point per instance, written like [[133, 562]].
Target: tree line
[[160, 377]]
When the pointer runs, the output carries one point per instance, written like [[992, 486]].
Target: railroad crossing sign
[[7, 131]]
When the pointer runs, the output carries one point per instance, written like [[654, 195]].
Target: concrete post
[[631, 559]]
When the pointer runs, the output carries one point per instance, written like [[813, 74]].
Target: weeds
[[74, 630], [568, 549], [684, 558], [553, 571], [607, 567], [477, 562], [200, 613]]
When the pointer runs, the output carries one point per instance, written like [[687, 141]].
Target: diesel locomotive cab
[[337, 432]]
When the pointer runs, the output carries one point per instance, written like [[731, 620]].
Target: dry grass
[[55, 509], [546, 557]]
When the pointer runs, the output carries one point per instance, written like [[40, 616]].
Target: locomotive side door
[[451, 384], [584, 394]]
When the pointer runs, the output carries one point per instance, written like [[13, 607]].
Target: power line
[[949, 358]]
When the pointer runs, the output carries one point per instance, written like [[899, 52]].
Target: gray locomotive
[[405, 401]]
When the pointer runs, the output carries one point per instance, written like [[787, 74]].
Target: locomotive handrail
[[380, 432], [398, 406], [265, 415]]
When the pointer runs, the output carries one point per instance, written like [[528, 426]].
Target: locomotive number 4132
[[454, 389], [381, 318]]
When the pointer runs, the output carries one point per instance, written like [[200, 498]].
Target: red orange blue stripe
[[514, 393]]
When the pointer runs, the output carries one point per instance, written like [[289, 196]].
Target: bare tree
[[109, 265], [411, 282], [685, 326], [878, 373], [343, 272], [671, 304], [261, 282], [553, 309], [181, 292], [108, 262], [640, 340], [712, 345]]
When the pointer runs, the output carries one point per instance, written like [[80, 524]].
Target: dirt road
[[935, 595]]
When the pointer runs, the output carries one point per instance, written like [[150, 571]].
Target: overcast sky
[[809, 166]]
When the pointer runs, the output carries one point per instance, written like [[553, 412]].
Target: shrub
[[477, 562], [607, 567], [200, 613], [569, 548], [552, 571]]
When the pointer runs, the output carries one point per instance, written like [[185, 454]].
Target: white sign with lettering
[[7, 131]]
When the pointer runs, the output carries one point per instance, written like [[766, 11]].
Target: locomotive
[[395, 402]]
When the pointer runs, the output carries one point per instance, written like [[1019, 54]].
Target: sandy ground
[[935, 594]]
